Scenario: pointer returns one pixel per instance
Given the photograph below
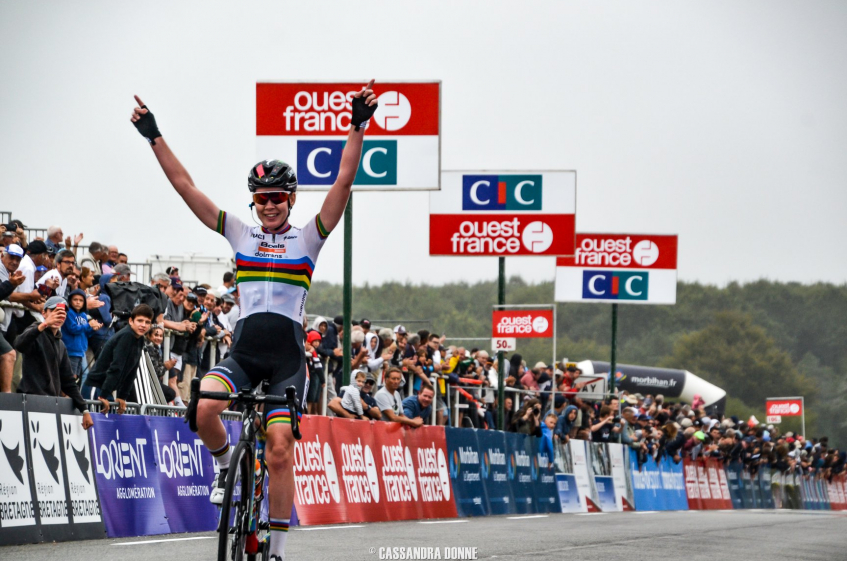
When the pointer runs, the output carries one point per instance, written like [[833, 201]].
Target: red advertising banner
[[349, 471], [706, 485], [784, 407], [623, 251], [522, 323], [494, 234], [323, 109]]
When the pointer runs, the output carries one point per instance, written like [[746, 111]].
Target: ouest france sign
[[306, 124], [503, 213], [619, 268]]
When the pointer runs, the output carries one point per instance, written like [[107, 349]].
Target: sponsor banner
[[763, 478], [467, 472], [503, 213], [569, 496], [748, 490], [642, 379], [186, 472], [17, 508], [522, 323], [344, 473], [307, 123], [658, 486], [520, 458], [127, 476], [584, 482], [733, 475], [619, 268], [706, 484], [600, 468], [496, 466], [605, 486], [620, 477], [784, 407]]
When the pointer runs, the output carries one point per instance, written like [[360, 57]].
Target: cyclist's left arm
[[336, 199]]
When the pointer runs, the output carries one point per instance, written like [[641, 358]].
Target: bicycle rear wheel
[[235, 510]]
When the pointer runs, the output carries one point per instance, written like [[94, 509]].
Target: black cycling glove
[[146, 125], [361, 112]]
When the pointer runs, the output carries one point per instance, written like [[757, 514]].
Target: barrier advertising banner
[[621, 477], [345, 473], [569, 496], [658, 486], [619, 268], [544, 477], [500, 213], [519, 468], [467, 471], [17, 508], [308, 123], [600, 468], [495, 471], [584, 480], [706, 484]]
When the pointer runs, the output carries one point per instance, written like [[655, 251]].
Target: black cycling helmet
[[272, 173]]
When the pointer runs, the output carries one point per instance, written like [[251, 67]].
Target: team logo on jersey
[[271, 250]]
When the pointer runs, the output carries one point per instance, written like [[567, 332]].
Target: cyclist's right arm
[[201, 205]]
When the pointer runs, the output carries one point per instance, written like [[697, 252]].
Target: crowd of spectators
[[81, 326]]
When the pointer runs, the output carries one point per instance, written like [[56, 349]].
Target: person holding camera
[[607, 427], [528, 419]]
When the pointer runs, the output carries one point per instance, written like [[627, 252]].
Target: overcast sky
[[724, 122]]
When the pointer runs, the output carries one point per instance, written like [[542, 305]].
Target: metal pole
[[803, 421], [553, 364], [434, 383], [348, 289], [613, 367], [501, 384]]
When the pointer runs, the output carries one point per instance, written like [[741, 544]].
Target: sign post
[[307, 124], [618, 269], [787, 407]]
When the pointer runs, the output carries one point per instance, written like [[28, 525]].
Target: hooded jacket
[[75, 330], [104, 312], [374, 360], [563, 425], [46, 368]]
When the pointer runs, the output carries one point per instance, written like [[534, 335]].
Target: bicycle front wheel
[[235, 509]]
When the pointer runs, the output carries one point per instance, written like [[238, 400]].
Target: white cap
[[15, 249]]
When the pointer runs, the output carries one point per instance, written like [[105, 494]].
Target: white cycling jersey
[[274, 270]]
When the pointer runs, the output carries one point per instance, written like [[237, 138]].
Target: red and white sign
[[504, 344], [522, 323], [502, 213], [619, 268], [773, 419], [786, 407], [368, 471], [305, 123]]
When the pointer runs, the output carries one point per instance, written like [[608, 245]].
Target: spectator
[[194, 340], [375, 361], [566, 424], [352, 401], [389, 402], [96, 253], [111, 261], [76, 330], [123, 259], [153, 346], [64, 273], [55, 241], [316, 371], [419, 406], [116, 369], [7, 353], [122, 271], [605, 427], [230, 309], [214, 329], [547, 429], [358, 351], [46, 367], [9, 264], [228, 285], [161, 281], [86, 278], [102, 314], [528, 418]]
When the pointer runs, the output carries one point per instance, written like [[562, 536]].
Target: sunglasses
[[274, 197]]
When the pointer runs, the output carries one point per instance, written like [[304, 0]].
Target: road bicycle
[[243, 528]]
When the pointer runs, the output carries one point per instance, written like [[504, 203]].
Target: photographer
[[528, 419], [607, 428]]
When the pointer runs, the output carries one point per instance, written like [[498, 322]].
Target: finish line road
[[689, 535]]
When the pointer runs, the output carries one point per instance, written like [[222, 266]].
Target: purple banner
[[127, 476], [186, 471]]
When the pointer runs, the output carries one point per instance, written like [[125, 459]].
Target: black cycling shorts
[[266, 346]]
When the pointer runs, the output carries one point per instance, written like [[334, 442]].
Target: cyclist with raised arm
[[274, 271]]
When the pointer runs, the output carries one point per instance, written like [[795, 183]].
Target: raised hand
[[144, 121], [364, 104]]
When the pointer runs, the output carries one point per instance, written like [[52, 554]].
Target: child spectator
[[352, 400], [76, 330], [153, 346]]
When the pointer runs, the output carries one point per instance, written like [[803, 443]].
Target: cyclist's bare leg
[[279, 457], [210, 428]]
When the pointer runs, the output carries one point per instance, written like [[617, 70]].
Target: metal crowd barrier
[[95, 406]]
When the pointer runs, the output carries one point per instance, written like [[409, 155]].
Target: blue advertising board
[[605, 486], [519, 457], [466, 471], [544, 476], [495, 471], [568, 494], [658, 486], [735, 482]]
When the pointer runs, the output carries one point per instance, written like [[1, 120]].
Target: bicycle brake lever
[[293, 411]]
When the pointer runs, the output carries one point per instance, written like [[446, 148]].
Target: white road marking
[[168, 540], [646, 512], [527, 517], [310, 528], [442, 522], [591, 513]]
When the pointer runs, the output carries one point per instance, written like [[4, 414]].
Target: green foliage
[[755, 340]]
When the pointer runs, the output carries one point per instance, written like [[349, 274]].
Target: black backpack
[[127, 295]]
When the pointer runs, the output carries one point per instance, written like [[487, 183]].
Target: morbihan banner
[[503, 213], [619, 268], [306, 124]]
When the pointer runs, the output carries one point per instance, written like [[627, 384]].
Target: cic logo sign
[[501, 192], [318, 162], [615, 285]]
